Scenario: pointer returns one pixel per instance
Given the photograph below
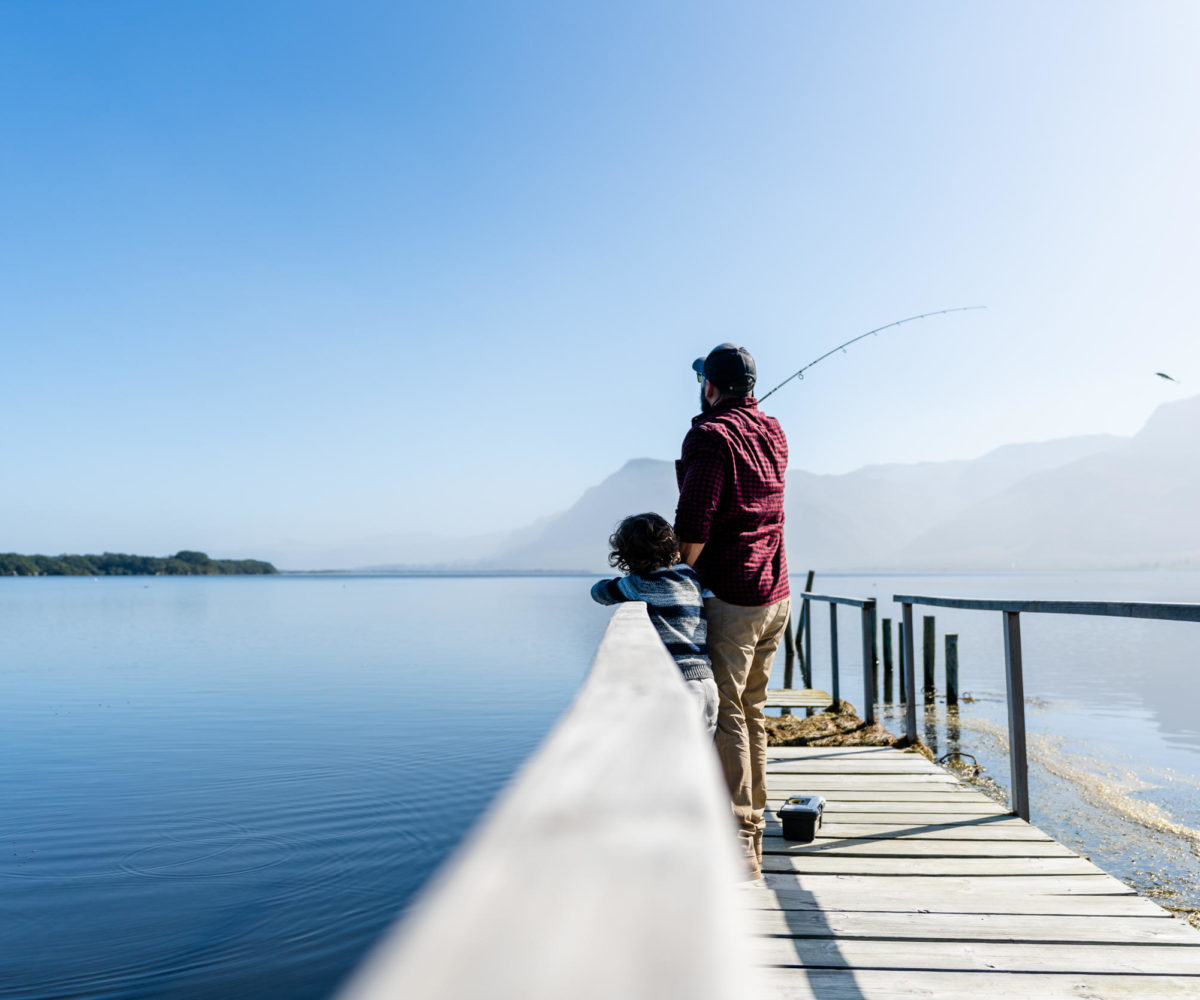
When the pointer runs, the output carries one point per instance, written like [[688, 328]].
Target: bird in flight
[[1166, 376]]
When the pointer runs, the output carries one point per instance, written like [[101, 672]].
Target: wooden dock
[[919, 885], [607, 871]]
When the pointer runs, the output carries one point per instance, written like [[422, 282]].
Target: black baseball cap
[[730, 368]]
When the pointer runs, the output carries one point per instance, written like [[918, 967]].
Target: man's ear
[[711, 392]]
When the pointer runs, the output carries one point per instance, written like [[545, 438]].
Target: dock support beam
[[868, 653], [789, 659], [887, 661], [928, 652], [910, 680], [833, 656], [1018, 764], [951, 670]]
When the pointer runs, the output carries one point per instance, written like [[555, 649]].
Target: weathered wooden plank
[[1002, 829], [907, 867], [914, 847], [797, 698], [857, 769], [885, 819], [797, 753], [865, 783], [855, 765], [890, 984], [981, 956], [904, 802], [935, 890], [896, 784], [862, 799], [832, 894], [1011, 927], [879, 791]]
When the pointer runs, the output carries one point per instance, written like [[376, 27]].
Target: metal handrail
[[1013, 670], [1110, 609], [852, 601], [867, 607]]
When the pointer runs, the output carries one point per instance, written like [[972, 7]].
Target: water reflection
[[953, 730]]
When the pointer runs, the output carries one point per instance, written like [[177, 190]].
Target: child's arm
[[614, 591]]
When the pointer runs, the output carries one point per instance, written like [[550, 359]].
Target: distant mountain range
[[1075, 503]]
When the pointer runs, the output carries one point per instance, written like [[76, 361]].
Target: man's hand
[[689, 552]]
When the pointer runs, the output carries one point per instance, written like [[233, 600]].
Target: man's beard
[[705, 405]]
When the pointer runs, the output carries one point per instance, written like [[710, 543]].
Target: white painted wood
[[607, 869]]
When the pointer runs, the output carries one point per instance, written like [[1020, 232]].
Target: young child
[[644, 546]]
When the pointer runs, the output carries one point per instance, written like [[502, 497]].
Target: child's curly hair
[[643, 543]]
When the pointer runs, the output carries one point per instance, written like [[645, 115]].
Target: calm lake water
[[230, 786]]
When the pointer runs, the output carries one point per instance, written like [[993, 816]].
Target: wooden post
[[789, 658], [789, 652], [1018, 764], [804, 629], [910, 679], [806, 611], [833, 655], [951, 670], [874, 655], [928, 652], [808, 585], [887, 661], [900, 673], [868, 653]]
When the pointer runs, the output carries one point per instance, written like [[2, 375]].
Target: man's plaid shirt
[[731, 498]]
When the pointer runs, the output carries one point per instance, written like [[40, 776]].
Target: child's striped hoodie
[[672, 595]]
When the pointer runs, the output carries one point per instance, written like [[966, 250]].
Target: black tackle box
[[801, 817]]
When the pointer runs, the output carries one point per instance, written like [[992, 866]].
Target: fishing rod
[[854, 340]]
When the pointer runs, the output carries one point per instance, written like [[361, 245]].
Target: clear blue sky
[[274, 273]]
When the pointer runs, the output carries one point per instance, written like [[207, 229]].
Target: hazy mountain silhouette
[[869, 518], [1132, 505]]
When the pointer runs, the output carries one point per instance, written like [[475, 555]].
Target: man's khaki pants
[[742, 643]]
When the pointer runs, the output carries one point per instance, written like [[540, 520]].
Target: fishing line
[[853, 340]]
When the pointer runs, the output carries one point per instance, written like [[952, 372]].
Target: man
[[730, 527]]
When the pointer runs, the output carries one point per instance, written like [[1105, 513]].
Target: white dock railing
[[607, 869]]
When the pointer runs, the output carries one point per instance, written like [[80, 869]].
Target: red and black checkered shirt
[[731, 498]]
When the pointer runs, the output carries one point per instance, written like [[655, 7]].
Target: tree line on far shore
[[185, 563]]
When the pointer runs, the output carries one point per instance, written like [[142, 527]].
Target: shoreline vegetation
[[183, 563]]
